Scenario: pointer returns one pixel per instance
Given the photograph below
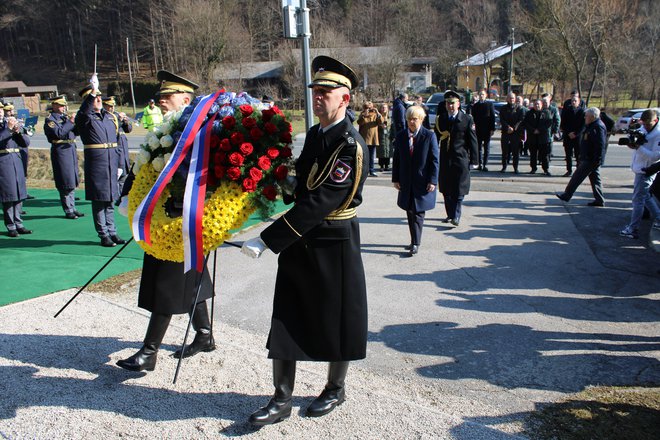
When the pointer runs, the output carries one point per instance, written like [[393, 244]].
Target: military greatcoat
[[61, 134], [98, 133], [320, 304], [458, 149], [12, 175]]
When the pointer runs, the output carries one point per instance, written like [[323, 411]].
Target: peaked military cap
[[87, 90], [109, 100], [59, 100], [8, 106], [329, 72], [451, 95], [171, 83]]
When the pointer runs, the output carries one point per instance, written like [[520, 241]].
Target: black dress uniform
[[98, 133], [61, 134], [511, 116], [13, 188], [458, 150], [320, 303]]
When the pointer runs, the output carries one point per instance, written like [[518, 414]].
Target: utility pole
[[511, 60]]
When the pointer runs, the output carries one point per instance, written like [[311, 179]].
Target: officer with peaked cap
[[60, 131], [124, 126], [164, 287], [320, 303], [458, 150], [97, 129]]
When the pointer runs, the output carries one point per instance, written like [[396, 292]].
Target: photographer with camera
[[645, 144]]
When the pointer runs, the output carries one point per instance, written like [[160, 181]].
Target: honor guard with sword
[[320, 303], [124, 125], [60, 131]]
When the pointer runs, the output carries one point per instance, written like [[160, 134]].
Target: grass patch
[[117, 283], [603, 413]]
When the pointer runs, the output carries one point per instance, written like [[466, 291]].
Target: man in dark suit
[[483, 114], [458, 150], [572, 122], [511, 118], [316, 317]]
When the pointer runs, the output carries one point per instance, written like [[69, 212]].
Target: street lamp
[[511, 61]]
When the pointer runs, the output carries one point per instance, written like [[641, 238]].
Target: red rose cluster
[[252, 150]]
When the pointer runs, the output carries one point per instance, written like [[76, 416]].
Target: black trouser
[[571, 148], [415, 224], [582, 171], [510, 147], [483, 143]]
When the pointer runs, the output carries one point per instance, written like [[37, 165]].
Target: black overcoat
[[415, 172], [101, 164], [458, 146], [12, 174], [60, 132], [320, 303], [165, 289], [483, 114]]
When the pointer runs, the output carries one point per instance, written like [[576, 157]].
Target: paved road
[[526, 302]]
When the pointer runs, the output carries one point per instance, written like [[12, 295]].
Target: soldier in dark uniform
[[511, 118], [483, 114], [124, 126], [164, 288], [61, 133], [320, 303], [13, 189], [458, 150], [25, 154], [97, 129]]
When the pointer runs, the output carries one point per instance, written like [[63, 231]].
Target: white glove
[[254, 247], [94, 81], [119, 172], [123, 206]]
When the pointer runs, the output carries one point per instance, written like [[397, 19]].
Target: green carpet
[[61, 253]]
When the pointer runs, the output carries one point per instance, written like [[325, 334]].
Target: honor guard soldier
[[124, 126], [458, 150], [13, 188], [164, 287], [60, 131], [320, 303], [97, 129], [25, 154]]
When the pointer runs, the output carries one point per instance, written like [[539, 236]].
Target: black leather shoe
[[567, 174], [326, 402], [414, 249], [447, 220], [503, 169], [79, 214], [562, 197], [12, 233], [485, 170], [29, 197], [595, 203], [202, 342], [532, 172], [70, 215], [144, 359], [23, 231], [454, 222], [107, 242], [117, 239], [272, 413]]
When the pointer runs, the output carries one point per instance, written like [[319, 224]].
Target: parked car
[[631, 117], [433, 111], [498, 106]]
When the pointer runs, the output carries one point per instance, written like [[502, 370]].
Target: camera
[[635, 137]]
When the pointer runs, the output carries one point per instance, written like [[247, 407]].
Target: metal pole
[[130, 77], [307, 69], [511, 61]]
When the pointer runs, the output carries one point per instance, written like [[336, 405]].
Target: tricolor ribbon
[[141, 225]]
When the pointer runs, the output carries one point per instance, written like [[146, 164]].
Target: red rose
[[225, 145], [270, 128], [228, 122], [285, 137], [277, 110], [269, 192], [272, 152], [281, 172], [246, 148], [256, 134], [236, 159], [256, 174], [264, 163], [246, 109], [249, 185], [249, 123], [237, 138], [219, 171], [234, 173], [267, 114], [286, 152]]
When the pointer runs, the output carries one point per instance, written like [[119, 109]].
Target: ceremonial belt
[[10, 150], [109, 145], [61, 141], [346, 214]]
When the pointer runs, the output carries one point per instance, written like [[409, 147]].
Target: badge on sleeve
[[51, 124], [340, 171]]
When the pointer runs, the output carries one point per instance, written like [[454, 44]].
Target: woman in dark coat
[[415, 172]]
